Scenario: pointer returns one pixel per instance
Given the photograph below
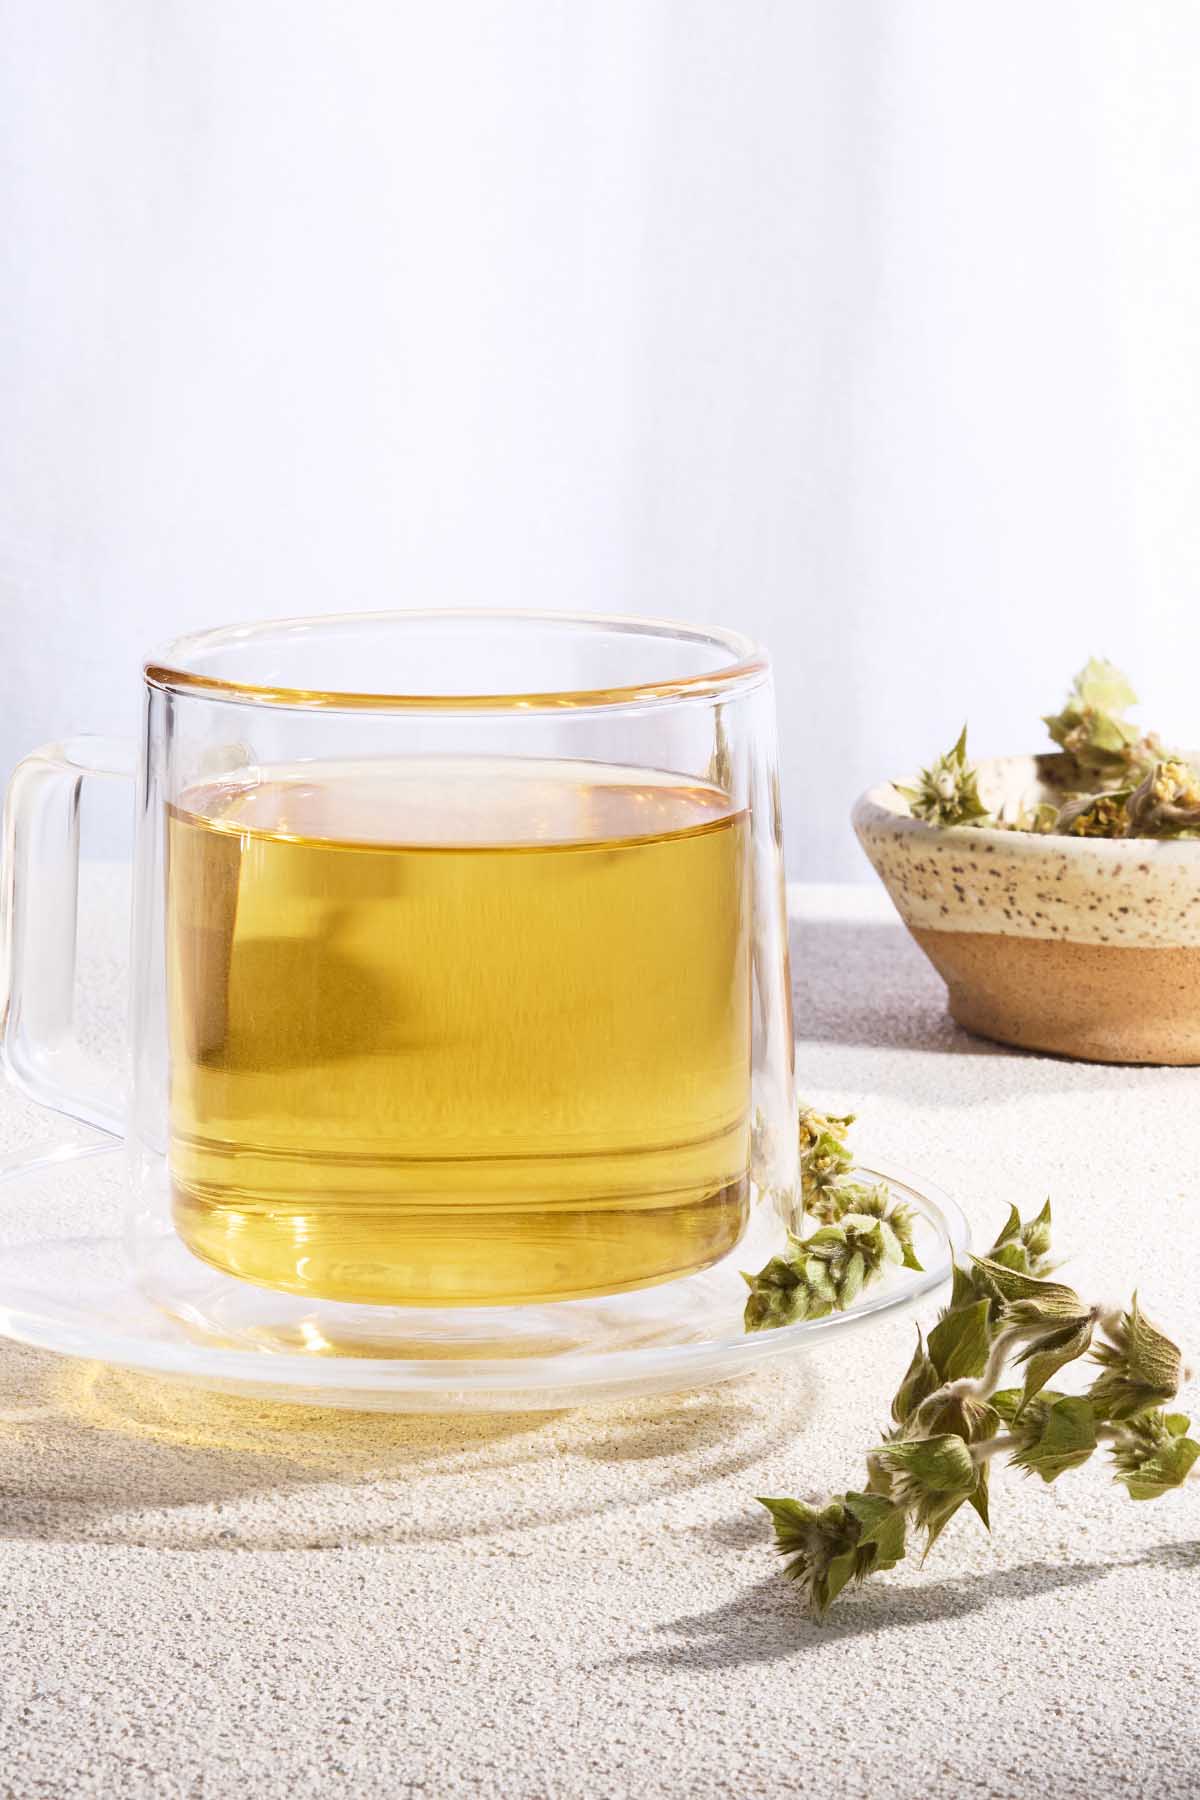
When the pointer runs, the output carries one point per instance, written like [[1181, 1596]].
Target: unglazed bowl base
[[1098, 1002]]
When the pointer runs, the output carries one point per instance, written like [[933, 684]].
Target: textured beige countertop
[[212, 1597]]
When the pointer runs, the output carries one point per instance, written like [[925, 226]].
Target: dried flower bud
[[947, 793], [1128, 784], [1056, 1432], [1051, 1350], [855, 1200], [931, 1476], [1043, 1303], [1048, 1318], [778, 1296], [863, 1232], [1040, 818], [961, 1340], [1154, 1454], [1142, 1367], [959, 1415], [1036, 1238], [853, 1536], [1024, 1247], [967, 1286]]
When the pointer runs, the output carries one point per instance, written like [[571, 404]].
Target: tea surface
[[458, 1031]]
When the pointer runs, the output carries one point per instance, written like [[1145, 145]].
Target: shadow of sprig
[[766, 1623]]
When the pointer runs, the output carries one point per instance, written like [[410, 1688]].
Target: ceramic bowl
[[1085, 947]]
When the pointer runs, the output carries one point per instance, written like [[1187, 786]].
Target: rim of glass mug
[[179, 666]]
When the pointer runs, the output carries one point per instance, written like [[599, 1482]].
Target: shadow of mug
[[93, 1454]]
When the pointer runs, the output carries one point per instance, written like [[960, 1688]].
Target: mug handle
[[39, 903]]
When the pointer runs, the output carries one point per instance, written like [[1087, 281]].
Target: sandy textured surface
[[214, 1598]]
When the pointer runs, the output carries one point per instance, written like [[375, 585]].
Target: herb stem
[[984, 1385], [995, 1446]]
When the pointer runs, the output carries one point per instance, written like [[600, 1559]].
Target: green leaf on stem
[[920, 1380], [960, 1342]]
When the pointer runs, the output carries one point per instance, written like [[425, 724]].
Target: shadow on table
[[767, 1623], [91, 1454], [865, 982]]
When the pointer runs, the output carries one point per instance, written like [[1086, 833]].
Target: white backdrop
[[873, 328]]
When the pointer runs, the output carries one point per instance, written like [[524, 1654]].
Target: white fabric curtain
[[873, 328]]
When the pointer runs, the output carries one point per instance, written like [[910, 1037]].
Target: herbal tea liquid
[[458, 1032]]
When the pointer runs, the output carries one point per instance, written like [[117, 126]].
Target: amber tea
[[458, 1032]]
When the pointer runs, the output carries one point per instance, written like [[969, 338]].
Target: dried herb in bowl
[[1120, 782]]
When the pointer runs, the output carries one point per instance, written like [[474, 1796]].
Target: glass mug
[[459, 967]]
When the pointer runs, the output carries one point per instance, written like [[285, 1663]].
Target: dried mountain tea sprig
[[951, 1416], [862, 1232]]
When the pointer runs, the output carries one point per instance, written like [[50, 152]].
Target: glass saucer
[[66, 1286]]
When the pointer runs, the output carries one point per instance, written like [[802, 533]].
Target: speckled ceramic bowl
[[1086, 947]]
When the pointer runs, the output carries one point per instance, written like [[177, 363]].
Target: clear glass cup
[[460, 1004]]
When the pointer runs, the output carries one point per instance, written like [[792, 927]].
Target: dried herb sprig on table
[[1121, 783], [951, 1414]]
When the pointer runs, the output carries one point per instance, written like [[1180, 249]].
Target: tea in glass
[[458, 1031]]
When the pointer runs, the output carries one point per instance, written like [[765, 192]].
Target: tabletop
[[208, 1596]]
